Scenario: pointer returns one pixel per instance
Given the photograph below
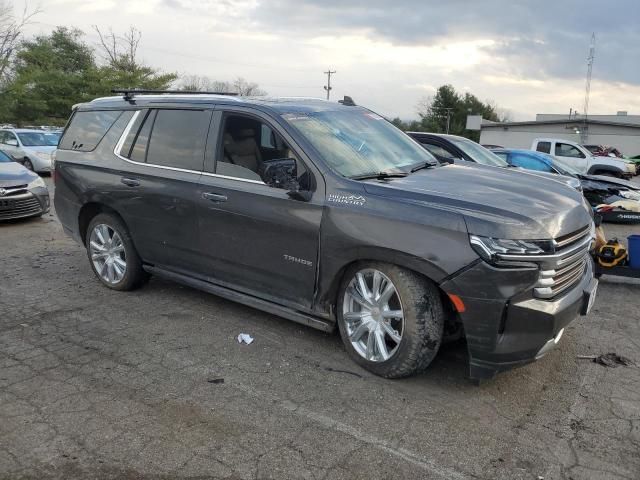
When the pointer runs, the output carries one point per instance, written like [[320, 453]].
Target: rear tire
[[391, 337], [112, 255]]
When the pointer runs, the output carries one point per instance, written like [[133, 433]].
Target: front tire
[[112, 255], [390, 319], [27, 164]]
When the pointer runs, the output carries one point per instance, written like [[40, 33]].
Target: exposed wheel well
[[87, 212], [609, 173]]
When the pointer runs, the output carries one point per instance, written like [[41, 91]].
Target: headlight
[[629, 194], [38, 182], [492, 249]]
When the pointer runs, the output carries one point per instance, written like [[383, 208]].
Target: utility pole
[[328, 87], [585, 113]]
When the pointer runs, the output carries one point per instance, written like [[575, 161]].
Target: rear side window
[[178, 139], [87, 129], [135, 145], [544, 147]]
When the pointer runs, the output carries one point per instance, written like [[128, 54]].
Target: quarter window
[[87, 129], [178, 138], [135, 145]]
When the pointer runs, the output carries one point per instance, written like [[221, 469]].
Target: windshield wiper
[[424, 165], [379, 175]]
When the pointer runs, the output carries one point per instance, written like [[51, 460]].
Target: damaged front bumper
[[505, 325]]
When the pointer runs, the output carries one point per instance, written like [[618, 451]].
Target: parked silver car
[[22, 193], [31, 148]]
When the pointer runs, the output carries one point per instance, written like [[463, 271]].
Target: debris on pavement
[[216, 380], [608, 359], [335, 370], [245, 338]]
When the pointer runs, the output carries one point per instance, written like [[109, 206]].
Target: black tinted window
[[544, 147], [87, 129], [178, 139], [135, 145]]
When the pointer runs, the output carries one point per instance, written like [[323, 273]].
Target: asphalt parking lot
[[152, 384]]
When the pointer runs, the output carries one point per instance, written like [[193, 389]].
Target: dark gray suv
[[326, 214]]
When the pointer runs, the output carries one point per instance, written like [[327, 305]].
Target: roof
[[288, 104], [578, 122], [27, 130]]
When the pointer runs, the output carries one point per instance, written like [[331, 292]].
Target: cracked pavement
[[100, 384]]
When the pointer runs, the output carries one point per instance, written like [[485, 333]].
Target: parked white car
[[582, 159], [31, 148]]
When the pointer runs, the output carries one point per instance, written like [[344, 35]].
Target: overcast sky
[[527, 56]]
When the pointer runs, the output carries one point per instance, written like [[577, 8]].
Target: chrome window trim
[[123, 137]]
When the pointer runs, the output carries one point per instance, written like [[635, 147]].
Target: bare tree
[[120, 51], [11, 27], [239, 86], [247, 89]]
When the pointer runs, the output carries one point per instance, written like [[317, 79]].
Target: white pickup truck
[[582, 159]]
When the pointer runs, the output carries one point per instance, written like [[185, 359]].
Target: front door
[[572, 155], [254, 236]]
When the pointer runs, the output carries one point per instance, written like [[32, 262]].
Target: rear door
[[9, 145], [157, 192], [254, 237]]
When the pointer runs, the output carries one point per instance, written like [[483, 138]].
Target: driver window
[[252, 150], [566, 150]]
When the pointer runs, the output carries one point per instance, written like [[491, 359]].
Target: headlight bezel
[[36, 183], [492, 249]]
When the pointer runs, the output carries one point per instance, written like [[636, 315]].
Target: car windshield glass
[[37, 139], [53, 138], [4, 158], [478, 153], [357, 142]]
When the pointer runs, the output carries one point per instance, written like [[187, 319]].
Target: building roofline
[[577, 122]]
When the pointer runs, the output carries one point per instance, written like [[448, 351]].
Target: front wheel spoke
[[111, 275], [120, 263], [358, 298], [386, 294], [98, 256], [381, 346], [358, 332], [377, 283], [362, 283], [96, 246], [117, 269], [104, 270], [371, 344], [353, 316], [391, 314], [393, 334]]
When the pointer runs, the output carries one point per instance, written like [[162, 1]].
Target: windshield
[[53, 138], [478, 153], [37, 139], [4, 158], [357, 142]]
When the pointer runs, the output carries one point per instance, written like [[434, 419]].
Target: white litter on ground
[[245, 338]]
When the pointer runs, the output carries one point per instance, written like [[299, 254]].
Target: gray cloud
[[537, 39]]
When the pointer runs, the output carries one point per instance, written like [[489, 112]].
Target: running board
[[243, 298]]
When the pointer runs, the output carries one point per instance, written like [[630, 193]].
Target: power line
[[328, 87]]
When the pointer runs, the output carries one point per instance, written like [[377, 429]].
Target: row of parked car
[[603, 180]]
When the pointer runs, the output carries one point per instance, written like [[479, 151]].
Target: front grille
[[562, 270], [19, 206]]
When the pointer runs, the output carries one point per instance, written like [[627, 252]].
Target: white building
[[621, 131]]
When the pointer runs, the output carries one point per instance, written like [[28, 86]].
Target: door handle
[[214, 197], [130, 182]]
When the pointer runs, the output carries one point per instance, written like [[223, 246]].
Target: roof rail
[[129, 93]]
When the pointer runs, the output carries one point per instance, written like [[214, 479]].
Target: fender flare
[[600, 167]]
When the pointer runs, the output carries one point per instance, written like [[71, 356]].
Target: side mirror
[[280, 173]]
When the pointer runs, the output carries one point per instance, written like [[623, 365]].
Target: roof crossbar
[[129, 93]]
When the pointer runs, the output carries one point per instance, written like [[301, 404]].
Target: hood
[[12, 173], [495, 202], [611, 182]]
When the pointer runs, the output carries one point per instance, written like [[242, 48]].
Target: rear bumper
[[504, 331]]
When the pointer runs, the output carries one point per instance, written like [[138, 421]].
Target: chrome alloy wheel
[[107, 253], [373, 316]]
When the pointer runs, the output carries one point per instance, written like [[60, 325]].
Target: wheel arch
[[600, 168], [88, 212]]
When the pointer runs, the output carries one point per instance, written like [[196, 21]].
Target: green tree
[[447, 110], [52, 72]]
